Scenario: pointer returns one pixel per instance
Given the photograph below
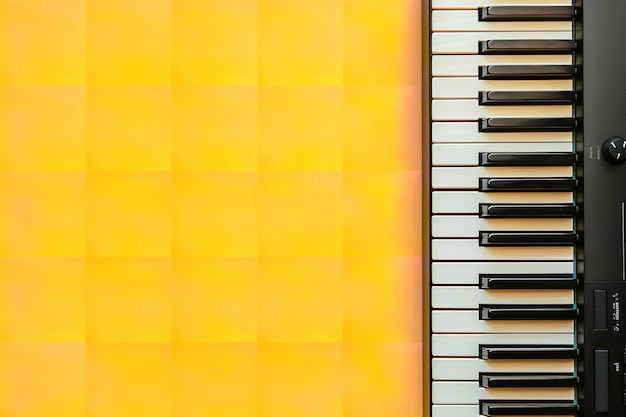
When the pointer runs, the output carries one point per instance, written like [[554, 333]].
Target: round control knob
[[614, 150]]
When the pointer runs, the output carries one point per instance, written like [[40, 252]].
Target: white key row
[[471, 226], [473, 4], [455, 154], [463, 132], [466, 202], [461, 392], [466, 345], [467, 273], [470, 297], [467, 65], [468, 109], [452, 327], [467, 369], [467, 20], [467, 321], [467, 178], [467, 42], [469, 87], [470, 250]]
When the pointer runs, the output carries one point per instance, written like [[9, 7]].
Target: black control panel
[[601, 152]]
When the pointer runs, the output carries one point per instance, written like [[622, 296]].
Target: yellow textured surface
[[128, 43], [43, 300], [214, 379], [299, 42], [214, 42], [290, 293], [43, 128], [303, 379], [128, 214], [300, 214], [210, 208], [300, 128], [227, 115], [43, 379], [129, 379], [129, 128], [43, 42], [42, 214], [214, 214], [128, 300], [218, 310]]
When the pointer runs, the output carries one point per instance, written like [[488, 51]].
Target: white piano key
[[466, 345], [466, 273], [452, 297], [473, 4], [454, 410], [466, 202], [461, 392], [469, 250], [467, 321], [470, 226], [468, 87], [468, 109], [467, 177], [467, 65], [452, 154], [467, 42], [462, 132], [467, 369], [467, 20]]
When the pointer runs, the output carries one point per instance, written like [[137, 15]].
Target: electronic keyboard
[[526, 231]]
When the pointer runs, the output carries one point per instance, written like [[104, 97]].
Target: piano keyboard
[[527, 241]]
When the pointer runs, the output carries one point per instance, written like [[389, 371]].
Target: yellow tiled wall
[[210, 208]]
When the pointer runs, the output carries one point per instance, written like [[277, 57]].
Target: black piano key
[[527, 380], [517, 159], [527, 352], [527, 124], [518, 211], [527, 408], [527, 312], [526, 72], [526, 13], [525, 98], [526, 184], [526, 281], [500, 238], [526, 47]]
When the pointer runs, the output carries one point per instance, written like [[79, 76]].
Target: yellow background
[[210, 208]]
